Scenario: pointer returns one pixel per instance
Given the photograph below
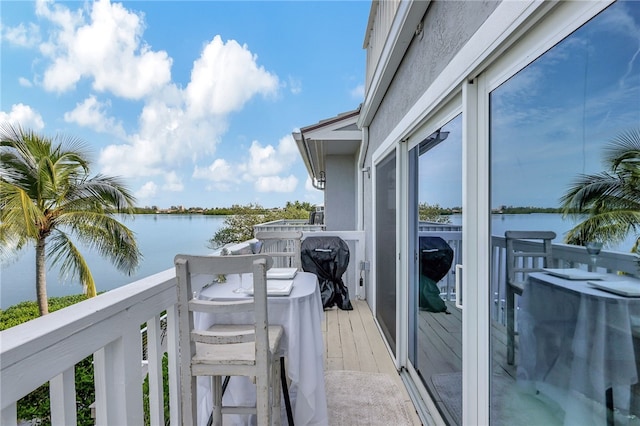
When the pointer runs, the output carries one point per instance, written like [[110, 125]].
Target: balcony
[[109, 327]]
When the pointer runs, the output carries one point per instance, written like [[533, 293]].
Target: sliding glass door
[[435, 323], [386, 253], [554, 127]]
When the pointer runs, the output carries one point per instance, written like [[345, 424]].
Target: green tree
[[239, 227], [610, 200], [432, 213], [47, 194]]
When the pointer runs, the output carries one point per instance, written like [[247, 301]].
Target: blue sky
[[194, 102]]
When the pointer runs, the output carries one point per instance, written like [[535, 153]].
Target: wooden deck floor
[[353, 342]]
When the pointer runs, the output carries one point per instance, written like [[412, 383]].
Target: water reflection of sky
[[551, 121]]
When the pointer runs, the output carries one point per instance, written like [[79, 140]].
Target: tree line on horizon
[[49, 195], [235, 209]]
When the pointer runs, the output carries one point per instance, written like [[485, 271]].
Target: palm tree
[[46, 194], [610, 199]]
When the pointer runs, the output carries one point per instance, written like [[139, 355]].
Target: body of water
[[540, 222], [160, 238]]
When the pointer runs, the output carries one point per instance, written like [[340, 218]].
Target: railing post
[[154, 358], [173, 353], [9, 415], [117, 380], [62, 396]]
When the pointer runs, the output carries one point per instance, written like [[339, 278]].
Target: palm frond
[[63, 252], [106, 235]]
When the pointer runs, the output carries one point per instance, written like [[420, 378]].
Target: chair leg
[[510, 327], [610, 411], [276, 419], [285, 391], [216, 389], [263, 401]]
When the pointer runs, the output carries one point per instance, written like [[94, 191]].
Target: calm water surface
[[160, 238], [540, 222]]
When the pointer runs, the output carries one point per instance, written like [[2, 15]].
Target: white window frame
[[514, 35], [525, 46]]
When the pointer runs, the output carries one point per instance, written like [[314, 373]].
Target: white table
[[301, 315], [576, 342]]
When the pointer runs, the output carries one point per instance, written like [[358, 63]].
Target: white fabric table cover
[[301, 315], [576, 342]]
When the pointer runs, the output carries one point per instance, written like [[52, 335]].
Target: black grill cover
[[328, 258], [435, 261]]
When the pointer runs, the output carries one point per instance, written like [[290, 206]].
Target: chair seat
[[240, 354]]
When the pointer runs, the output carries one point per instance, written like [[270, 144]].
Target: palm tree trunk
[[41, 277]]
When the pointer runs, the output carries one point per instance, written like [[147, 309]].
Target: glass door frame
[[517, 33], [408, 237], [378, 157], [558, 23]]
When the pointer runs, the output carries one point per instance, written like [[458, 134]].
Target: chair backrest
[[282, 244], [205, 268], [527, 251]]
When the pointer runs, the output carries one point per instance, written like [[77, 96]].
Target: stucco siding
[[340, 193], [448, 25]]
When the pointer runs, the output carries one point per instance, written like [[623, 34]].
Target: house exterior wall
[[467, 50], [447, 26], [340, 193]]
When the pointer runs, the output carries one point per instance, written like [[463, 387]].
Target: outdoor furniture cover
[[328, 258], [435, 261]]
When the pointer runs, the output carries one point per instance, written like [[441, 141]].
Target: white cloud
[[221, 174], [269, 161], [224, 78], [102, 43], [24, 82], [357, 92], [24, 116], [146, 191], [219, 171], [172, 182], [105, 47], [295, 85], [21, 35], [141, 158], [91, 113], [308, 185], [276, 184], [262, 169]]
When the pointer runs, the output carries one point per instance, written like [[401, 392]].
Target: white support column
[[173, 352], [154, 358], [9, 415], [117, 379], [62, 395]]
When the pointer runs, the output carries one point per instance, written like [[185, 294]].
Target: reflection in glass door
[[386, 247], [553, 126], [435, 323]]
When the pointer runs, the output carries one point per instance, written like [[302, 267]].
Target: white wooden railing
[[126, 330], [355, 240], [564, 256], [108, 326]]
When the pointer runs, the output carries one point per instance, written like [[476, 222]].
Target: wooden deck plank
[[363, 347], [349, 353], [353, 342]]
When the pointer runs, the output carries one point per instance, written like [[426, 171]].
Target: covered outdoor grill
[[328, 258], [435, 261]]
